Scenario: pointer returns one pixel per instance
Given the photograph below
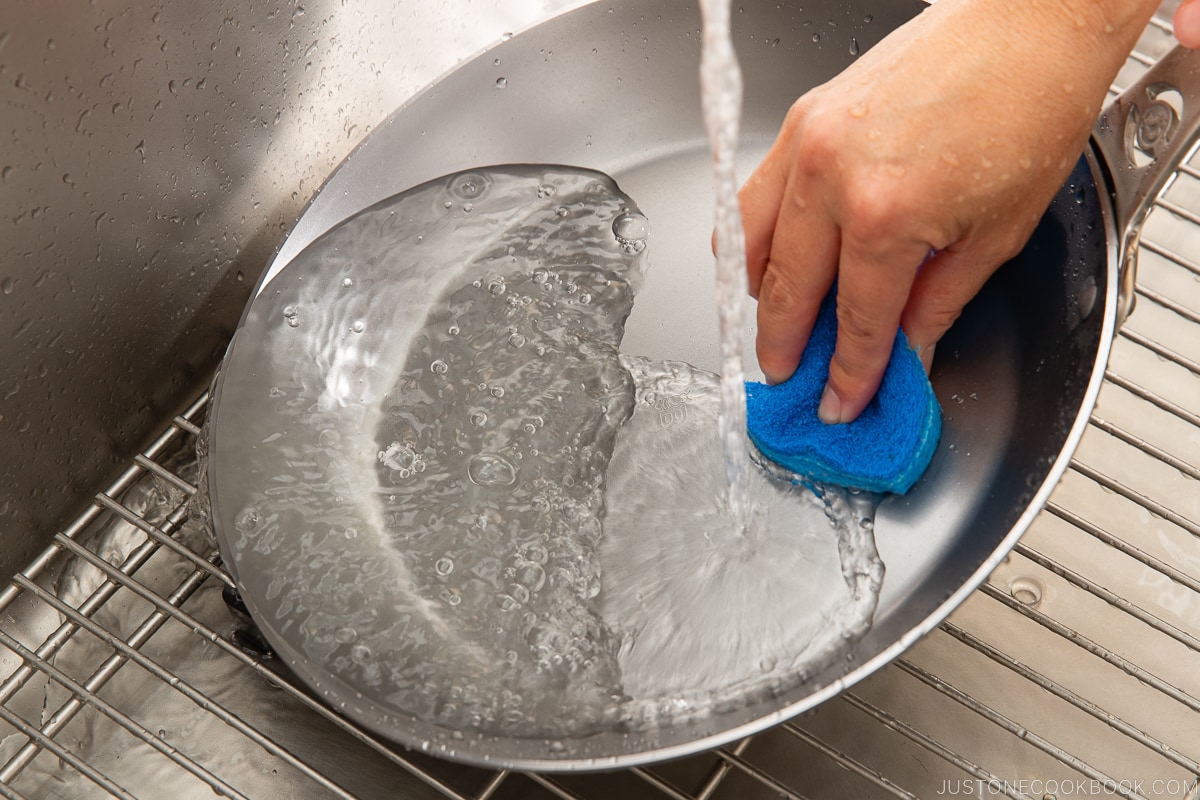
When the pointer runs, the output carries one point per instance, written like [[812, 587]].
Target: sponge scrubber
[[885, 449]]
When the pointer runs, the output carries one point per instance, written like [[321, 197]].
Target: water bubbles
[[360, 654], [532, 576], [631, 230], [540, 276], [546, 190], [479, 419], [491, 469], [275, 391], [359, 326], [454, 330], [292, 315], [497, 286], [470, 186], [562, 212], [439, 367], [816, 37], [501, 83], [347, 283], [403, 459], [516, 339], [345, 635], [497, 391], [468, 207], [536, 554], [246, 520], [444, 566]]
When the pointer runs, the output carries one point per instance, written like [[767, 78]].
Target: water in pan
[[446, 490]]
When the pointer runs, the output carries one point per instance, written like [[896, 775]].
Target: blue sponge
[[886, 449]]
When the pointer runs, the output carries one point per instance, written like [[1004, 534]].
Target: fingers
[[792, 288], [940, 291], [874, 277], [1187, 24], [760, 200], [802, 265]]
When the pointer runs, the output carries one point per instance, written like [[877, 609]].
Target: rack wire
[[1072, 672]]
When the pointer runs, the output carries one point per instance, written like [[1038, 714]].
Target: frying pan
[[613, 87]]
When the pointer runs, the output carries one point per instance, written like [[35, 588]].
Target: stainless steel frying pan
[[613, 87]]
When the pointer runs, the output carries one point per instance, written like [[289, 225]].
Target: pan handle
[[1143, 136]]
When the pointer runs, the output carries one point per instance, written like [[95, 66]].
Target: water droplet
[[360, 654], [292, 315], [345, 635], [444, 566], [562, 211], [468, 207], [454, 330], [501, 83], [491, 469], [854, 48], [497, 286], [496, 62], [497, 391], [479, 419], [516, 340], [631, 230], [439, 367], [347, 282], [6, 286], [246, 520], [816, 37], [540, 276], [546, 190], [359, 326]]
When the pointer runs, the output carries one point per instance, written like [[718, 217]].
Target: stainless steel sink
[[153, 160]]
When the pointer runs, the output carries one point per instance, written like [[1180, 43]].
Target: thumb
[[1187, 24]]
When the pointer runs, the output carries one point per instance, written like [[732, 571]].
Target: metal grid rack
[[1074, 671]]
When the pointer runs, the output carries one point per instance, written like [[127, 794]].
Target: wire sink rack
[[1074, 671]]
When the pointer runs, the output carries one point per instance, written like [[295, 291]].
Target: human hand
[[914, 174]]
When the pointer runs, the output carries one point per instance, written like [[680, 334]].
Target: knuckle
[[861, 338], [779, 295]]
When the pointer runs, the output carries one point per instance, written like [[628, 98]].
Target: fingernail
[[830, 409]]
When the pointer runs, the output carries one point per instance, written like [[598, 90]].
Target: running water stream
[[721, 94]]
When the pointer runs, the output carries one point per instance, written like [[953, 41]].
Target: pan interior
[[1011, 376]]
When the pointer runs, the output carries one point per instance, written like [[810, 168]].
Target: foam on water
[[443, 488]]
